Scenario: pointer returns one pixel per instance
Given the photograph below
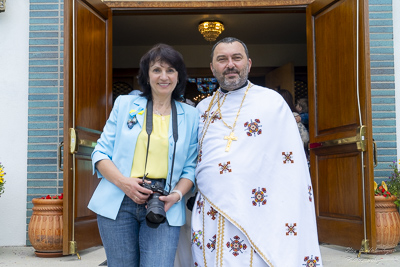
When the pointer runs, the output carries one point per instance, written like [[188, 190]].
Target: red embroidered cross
[[215, 117], [310, 193], [204, 116], [212, 213], [196, 238], [253, 128], [200, 204], [259, 196], [224, 167], [236, 245], [291, 229], [311, 261], [200, 155], [287, 157], [211, 245]]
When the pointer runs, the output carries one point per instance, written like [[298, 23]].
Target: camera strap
[[149, 129]]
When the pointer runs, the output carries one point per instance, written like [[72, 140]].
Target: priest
[[255, 203]]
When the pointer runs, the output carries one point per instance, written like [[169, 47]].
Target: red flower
[[61, 196]]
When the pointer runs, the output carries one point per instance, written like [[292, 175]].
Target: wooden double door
[[339, 109]]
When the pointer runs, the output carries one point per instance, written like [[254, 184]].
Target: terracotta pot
[[387, 219], [45, 228]]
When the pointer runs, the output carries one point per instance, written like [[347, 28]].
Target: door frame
[[106, 7]]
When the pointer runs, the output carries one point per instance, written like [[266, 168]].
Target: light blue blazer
[[118, 142]]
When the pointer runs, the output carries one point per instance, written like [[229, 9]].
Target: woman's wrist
[[179, 193]]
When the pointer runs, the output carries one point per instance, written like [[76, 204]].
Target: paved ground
[[332, 256]]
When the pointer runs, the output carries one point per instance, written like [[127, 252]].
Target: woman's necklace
[[164, 113]]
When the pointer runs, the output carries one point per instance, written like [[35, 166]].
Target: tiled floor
[[332, 256]]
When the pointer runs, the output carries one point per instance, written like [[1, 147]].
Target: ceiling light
[[211, 29]]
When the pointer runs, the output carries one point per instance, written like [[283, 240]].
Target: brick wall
[[45, 115], [382, 84]]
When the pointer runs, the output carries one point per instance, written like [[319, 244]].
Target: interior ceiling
[[182, 29]]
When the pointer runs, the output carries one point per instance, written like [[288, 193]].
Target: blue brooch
[[133, 120]]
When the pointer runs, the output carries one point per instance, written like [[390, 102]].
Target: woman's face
[[163, 79]]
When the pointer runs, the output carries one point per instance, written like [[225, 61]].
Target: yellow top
[[157, 161]]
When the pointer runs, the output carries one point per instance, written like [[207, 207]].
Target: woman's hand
[[130, 186], [183, 186], [169, 200], [133, 189]]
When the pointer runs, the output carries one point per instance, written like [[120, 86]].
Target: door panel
[[87, 101], [339, 99], [282, 77], [333, 49], [90, 68]]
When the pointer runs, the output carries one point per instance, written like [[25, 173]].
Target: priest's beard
[[232, 84]]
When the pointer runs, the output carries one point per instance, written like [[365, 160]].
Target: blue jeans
[[129, 242]]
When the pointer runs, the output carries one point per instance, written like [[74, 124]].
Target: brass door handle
[[75, 142], [60, 155], [359, 140], [73, 145]]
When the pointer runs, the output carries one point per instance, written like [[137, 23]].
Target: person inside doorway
[[302, 109], [146, 157], [255, 204], [302, 129]]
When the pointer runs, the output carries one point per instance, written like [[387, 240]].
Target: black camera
[[155, 214]]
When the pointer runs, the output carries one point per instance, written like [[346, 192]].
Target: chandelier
[[211, 29]]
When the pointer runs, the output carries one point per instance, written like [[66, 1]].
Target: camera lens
[[155, 214]]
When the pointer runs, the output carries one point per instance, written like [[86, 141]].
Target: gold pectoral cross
[[230, 138]]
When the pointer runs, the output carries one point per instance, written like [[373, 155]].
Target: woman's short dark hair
[[288, 98], [162, 53]]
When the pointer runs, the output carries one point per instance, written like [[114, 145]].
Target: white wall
[[396, 47], [198, 56], [14, 60]]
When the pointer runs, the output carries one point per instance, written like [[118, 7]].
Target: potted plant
[[387, 220], [45, 229], [393, 183], [2, 181]]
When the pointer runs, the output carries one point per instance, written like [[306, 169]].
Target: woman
[[302, 129], [131, 235]]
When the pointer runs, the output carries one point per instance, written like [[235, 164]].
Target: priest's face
[[230, 65]]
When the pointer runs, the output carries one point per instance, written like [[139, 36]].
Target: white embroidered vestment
[[255, 205]]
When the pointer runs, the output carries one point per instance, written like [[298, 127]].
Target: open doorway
[[274, 38], [338, 80]]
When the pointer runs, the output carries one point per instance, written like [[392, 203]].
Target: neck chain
[[162, 113], [209, 118]]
